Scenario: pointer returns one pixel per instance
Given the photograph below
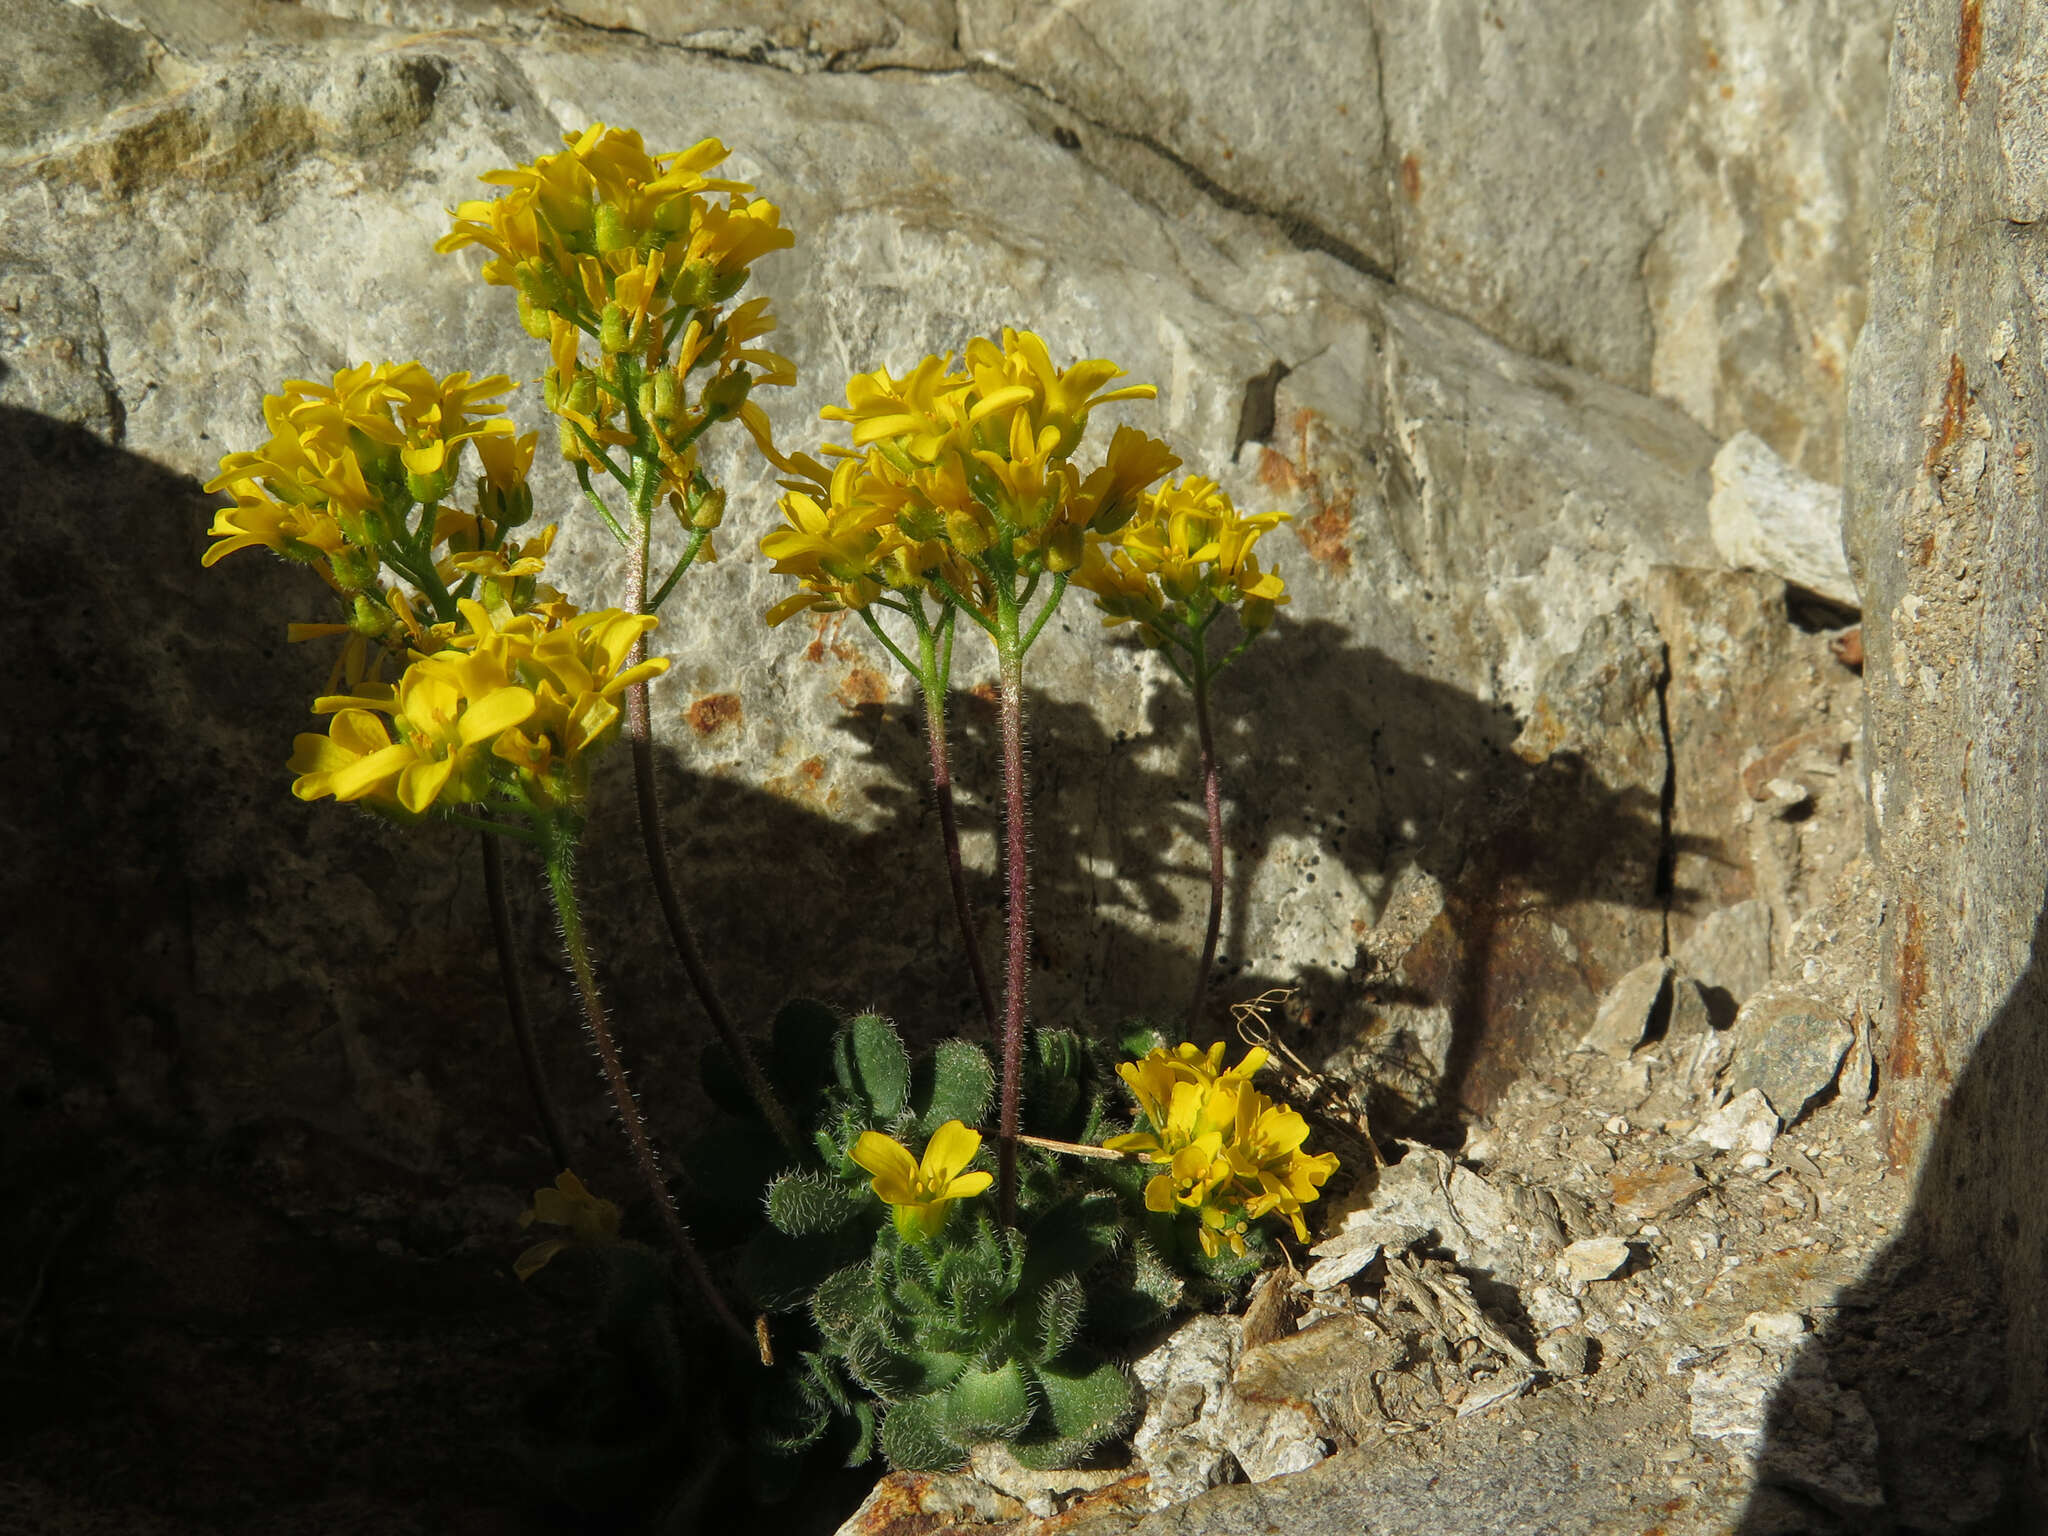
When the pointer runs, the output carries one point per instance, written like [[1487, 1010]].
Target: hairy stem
[[515, 1003], [640, 734], [1016, 843], [932, 682], [1212, 803], [561, 882]]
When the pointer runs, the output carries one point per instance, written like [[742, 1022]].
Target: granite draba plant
[[910, 1296]]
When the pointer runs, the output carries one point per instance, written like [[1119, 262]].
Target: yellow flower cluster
[[1187, 553], [639, 252], [952, 468], [336, 485], [514, 708], [1226, 1151]]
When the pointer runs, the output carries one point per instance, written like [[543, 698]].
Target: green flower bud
[[724, 395], [583, 394], [507, 508], [533, 319], [369, 617], [666, 393], [540, 284], [710, 509], [612, 333], [427, 489], [355, 570], [693, 283], [644, 398], [610, 229]]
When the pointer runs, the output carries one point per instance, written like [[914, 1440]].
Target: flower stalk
[[640, 737], [515, 1003], [1017, 877], [1212, 806], [562, 885]]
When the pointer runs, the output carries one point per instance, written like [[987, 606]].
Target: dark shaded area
[[1941, 1348], [266, 1134]]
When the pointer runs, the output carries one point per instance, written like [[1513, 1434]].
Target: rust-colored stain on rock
[[714, 712], [825, 639], [1912, 1054], [862, 686], [1954, 405], [1327, 536], [1325, 532], [1969, 45], [1411, 177]]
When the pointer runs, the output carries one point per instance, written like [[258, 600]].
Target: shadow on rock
[[1918, 1407]]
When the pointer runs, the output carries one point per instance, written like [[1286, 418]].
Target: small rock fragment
[[1745, 1123], [1624, 1014], [1774, 1325], [1791, 1047], [1564, 1354], [1038, 1491], [1730, 950], [1550, 1309], [1340, 1257], [926, 1501], [1498, 1389], [1295, 1400], [1766, 516], [1657, 1191], [1590, 1259], [1690, 1016]]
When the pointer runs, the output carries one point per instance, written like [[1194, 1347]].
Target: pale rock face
[[1766, 516]]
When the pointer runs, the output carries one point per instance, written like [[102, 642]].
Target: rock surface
[[1766, 516]]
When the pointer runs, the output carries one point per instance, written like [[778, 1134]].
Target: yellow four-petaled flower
[[920, 1192]]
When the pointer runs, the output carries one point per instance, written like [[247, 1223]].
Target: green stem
[[515, 1003], [561, 882], [690, 552]]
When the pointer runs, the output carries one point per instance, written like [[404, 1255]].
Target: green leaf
[[803, 1202], [914, 1437], [988, 1405], [1086, 1399], [1060, 1305], [843, 1301], [955, 1082], [881, 1065]]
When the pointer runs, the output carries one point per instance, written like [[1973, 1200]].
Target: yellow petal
[[418, 785], [951, 1149], [497, 711], [895, 1170], [968, 1185]]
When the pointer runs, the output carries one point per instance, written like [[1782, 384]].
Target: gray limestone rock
[[1766, 516], [1625, 1011], [1730, 949], [1789, 1045]]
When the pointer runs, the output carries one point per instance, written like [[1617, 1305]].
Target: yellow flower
[[1186, 552], [919, 1193], [355, 760], [1228, 1152], [590, 1222]]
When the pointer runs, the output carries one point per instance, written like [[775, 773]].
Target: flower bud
[[534, 320], [710, 509], [428, 489], [540, 284], [610, 230], [612, 332], [643, 397], [369, 617], [666, 392], [724, 395], [583, 394], [693, 284], [355, 570], [508, 506]]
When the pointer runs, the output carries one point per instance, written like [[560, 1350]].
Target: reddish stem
[[515, 1003], [1016, 841], [1212, 802]]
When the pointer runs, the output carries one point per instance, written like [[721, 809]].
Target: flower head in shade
[[586, 1220], [920, 1192]]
